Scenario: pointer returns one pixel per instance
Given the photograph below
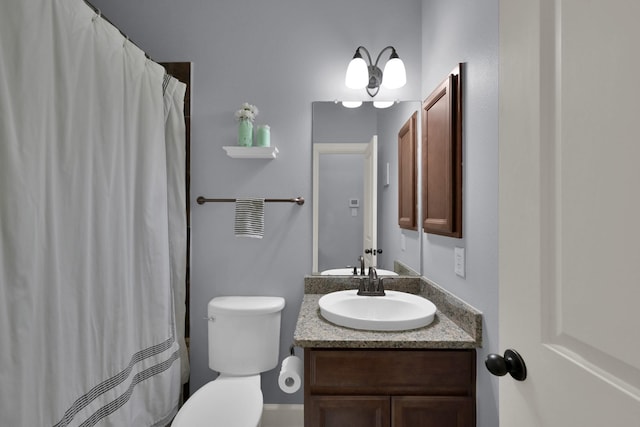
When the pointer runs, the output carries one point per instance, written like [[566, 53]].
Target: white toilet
[[244, 340]]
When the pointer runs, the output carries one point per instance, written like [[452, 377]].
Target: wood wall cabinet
[[407, 148], [389, 388], [442, 158]]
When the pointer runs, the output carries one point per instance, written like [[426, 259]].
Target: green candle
[[263, 136]]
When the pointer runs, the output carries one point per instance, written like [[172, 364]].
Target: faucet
[[371, 286]]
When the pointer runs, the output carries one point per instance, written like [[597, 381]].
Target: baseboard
[[276, 415]]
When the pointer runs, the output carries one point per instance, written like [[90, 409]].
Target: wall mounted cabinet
[[407, 148], [442, 158]]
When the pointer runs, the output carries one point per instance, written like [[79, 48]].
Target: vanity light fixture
[[376, 104], [361, 74]]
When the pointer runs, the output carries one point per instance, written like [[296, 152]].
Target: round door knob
[[511, 363]]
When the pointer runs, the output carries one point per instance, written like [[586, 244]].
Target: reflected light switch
[[459, 261], [386, 178]]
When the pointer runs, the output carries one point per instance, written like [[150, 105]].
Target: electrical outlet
[[458, 255]]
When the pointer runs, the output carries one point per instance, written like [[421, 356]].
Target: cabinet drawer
[[389, 372]]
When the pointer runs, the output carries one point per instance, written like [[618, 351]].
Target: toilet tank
[[244, 334]]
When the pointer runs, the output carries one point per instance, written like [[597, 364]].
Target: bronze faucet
[[371, 286]]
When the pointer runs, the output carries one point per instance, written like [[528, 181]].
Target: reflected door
[[370, 201]]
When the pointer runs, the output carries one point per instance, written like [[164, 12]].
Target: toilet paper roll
[[290, 378]]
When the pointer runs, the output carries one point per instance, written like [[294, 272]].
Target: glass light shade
[[357, 74], [394, 75], [382, 104], [351, 104]]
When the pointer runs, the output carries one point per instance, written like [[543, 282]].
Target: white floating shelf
[[238, 152]]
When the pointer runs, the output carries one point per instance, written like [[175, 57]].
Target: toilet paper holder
[[290, 379]]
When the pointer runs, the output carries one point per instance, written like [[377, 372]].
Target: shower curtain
[[91, 223]]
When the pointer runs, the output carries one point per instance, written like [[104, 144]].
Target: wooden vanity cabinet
[[389, 388]]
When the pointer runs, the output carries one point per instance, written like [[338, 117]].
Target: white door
[[569, 245], [370, 211]]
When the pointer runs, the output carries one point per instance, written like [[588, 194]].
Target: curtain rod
[[99, 13], [298, 200]]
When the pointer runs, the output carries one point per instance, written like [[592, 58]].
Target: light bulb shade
[[382, 104], [351, 104], [394, 75], [357, 74]]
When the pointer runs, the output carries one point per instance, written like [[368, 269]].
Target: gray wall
[[282, 55], [467, 31], [340, 233], [279, 55]]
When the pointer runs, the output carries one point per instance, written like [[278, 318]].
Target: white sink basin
[[349, 272], [396, 311]]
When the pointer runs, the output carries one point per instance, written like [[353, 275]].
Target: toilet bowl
[[225, 401], [244, 340]]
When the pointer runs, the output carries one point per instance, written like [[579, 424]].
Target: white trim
[[276, 415]]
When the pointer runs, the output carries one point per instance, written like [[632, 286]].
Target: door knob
[[512, 363]]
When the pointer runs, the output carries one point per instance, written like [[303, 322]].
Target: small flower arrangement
[[247, 112]]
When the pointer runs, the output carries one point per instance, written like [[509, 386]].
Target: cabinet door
[[428, 411], [407, 174], [351, 411], [442, 158]]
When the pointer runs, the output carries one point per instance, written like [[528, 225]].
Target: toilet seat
[[225, 402]]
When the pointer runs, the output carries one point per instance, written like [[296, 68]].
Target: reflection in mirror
[[343, 175], [340, 178]]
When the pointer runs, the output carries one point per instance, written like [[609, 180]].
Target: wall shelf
[[238, 152]]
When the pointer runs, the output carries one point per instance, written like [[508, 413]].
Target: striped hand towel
[[249, 218]]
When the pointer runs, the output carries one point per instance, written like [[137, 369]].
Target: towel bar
[[299, 200]]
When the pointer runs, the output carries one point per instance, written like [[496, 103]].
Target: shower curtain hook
[[97, 15]]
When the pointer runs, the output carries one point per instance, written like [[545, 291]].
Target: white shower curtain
[[88, 253]]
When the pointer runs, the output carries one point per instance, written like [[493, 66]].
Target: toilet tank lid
[[246, 305]]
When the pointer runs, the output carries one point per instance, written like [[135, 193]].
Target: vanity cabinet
[[389, 388]]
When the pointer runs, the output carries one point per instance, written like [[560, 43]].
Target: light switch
[[459, 261]]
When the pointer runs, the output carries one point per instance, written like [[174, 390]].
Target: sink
[[396, 311], [349, 272]]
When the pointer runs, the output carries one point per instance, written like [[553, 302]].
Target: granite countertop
[[456, 326]]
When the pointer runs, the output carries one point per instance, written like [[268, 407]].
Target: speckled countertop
[[457, 325]]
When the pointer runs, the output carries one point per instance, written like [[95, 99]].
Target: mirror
[[355, 149]]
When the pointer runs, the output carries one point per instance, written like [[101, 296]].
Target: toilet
[[244, 340]]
